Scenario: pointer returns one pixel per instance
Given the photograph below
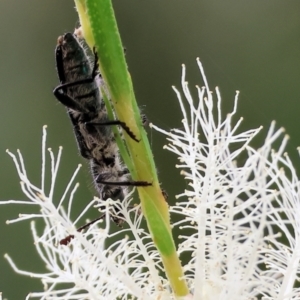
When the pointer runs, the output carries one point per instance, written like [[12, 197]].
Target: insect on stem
[[79, 93]]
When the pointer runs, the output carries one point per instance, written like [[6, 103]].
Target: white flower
[[88, 268], [239, 205], [240, 220]]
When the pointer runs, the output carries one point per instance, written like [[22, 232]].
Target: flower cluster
[[239, 219]]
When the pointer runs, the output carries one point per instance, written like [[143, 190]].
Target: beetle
[[79, 92]]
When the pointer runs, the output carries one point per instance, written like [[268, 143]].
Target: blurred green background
[[252, 46]]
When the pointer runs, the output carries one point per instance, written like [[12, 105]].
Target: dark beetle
[[79, 93]]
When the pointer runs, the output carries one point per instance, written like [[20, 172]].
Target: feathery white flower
[[241, 201], [88, 268], [234, 214]]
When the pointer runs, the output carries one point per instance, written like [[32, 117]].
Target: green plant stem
[[100, 30]]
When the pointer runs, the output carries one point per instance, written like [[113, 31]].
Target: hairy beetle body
[[80, 94]]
